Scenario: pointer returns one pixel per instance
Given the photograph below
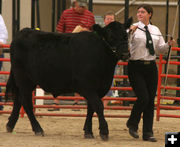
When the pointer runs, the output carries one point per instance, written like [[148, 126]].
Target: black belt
[[145, 62]]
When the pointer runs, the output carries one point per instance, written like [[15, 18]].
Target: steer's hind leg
[[28, 107], [98, 107], [88, 123], [14, 115], [25, 88]]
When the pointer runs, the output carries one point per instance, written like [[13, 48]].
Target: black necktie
[[149, 42]]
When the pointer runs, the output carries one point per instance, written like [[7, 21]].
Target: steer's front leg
[[98, 107]]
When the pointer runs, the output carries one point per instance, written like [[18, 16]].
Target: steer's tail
[[11, 88]]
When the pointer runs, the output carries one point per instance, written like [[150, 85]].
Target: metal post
[[90, 5], [167, 19], [13, 18], [63, 5], [58, 10], [32, 14], [53, 15], [166, 27], [178, 53], [0, 6], [18, 15], [38, 14], [125, 82], [126, 15]]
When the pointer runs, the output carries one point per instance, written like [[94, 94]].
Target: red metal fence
[[160, 95], [159, 106]]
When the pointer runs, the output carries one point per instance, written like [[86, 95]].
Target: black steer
[[62, 63]]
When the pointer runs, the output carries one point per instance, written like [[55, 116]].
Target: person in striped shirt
[[78, 15]]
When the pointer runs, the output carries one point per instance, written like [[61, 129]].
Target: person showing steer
[[62, 63], [142, 71]]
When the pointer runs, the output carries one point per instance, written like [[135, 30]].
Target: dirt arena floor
[[68, 132]]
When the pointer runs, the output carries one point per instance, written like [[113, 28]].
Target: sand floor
[[68, 131]]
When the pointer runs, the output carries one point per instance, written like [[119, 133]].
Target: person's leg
[[1, 106], [56, 102], [138, 84], [76, 101], [148, 114]]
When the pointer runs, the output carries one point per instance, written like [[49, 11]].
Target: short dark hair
[[147, 7]]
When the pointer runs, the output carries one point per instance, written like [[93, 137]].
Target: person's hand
[[1, 45], [85, 29], [80, 29], [171, 42], [1, 49], [133, 29]]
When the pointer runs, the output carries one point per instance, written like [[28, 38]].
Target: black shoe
[[133, 133], [151, 139]]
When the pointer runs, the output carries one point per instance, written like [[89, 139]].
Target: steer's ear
[[98, 29], [128, 23]]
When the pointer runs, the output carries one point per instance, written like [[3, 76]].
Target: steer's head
[[116, 38]]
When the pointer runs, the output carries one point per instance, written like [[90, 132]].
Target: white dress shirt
[[138, 48], [3, 31]]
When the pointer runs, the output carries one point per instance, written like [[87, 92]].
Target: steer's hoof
[[9, 129], [39, 133], [88, 136], [104, 137]]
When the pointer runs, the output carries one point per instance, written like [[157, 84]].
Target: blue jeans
[[1, 107], [110, 93]]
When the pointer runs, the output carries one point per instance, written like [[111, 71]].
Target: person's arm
[[3, 31], [91, 22], [61, 25], [162, 46]]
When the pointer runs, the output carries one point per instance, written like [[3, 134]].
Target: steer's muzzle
[[122, 51]]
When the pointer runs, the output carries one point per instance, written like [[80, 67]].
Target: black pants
[[143, 77]]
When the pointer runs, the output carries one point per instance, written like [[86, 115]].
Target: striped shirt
[[70, 19]]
